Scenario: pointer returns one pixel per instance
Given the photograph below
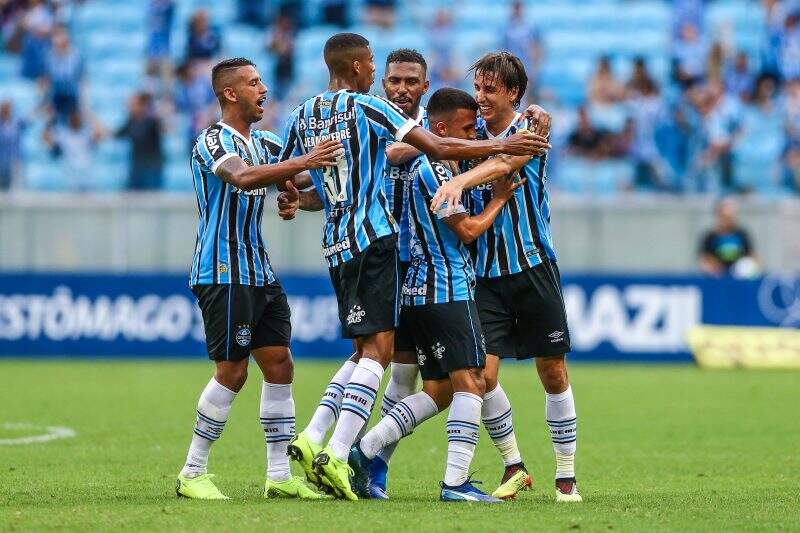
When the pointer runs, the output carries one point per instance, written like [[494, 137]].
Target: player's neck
[[337, 83], [500, 121], [414, 113], [237, 122]]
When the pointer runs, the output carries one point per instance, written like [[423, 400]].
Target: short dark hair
[[226, 65], [448, 99], [338, 51], [406, 55], [505, 67]]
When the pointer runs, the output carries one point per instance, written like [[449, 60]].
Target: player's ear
[[229, 93], [425, 86], [441, 129]]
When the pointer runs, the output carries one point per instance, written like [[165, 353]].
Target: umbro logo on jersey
[[356, 315], [556, 336], [222, 268]]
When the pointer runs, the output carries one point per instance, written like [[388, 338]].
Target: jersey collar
[[420, 115], [504, 133], [234, 131]]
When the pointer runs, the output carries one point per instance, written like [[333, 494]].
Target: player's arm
[[400, 153], [440, 148], [469, 228], [489, 170], [539, 120], [239, 174]]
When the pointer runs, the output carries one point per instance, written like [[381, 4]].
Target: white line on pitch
[[49, 433]]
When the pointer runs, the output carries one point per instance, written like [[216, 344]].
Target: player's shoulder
[[430, 171], [376, 101], [267, 136]]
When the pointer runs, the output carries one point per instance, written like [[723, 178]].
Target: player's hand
[[525, 143], [503, 188], [324, 154], [288, 201], [448, 193], [538, 119]]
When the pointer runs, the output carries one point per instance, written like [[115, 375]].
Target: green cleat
[[292, 488], [515, 479], [336, 472], [303, 450], [198, 488]]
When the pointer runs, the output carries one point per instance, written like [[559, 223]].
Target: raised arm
[[459, 149], [400, 153], [236, 172], [469, 228], [489, 170]]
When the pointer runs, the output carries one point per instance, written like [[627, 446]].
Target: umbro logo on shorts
[[356, 315], [556, 336], [420, 357], [438, 350]]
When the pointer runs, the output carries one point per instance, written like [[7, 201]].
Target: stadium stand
[[699, 138]]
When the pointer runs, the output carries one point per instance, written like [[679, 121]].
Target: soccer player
[[360, 234], [244, 308], [518, 283], [405, 82], [440, 307]]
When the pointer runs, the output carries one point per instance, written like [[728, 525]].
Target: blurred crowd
[[720, 115]]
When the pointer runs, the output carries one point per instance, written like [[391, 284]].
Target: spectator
[[524, 40], [195, 98], [604, 89], [444, 66], [204, 41], [727, 248], [252, 12], [789, 49], [646, 111], [712, 169], [37, 24], [738, 79], [334, 12], [73, 143], [587, 140], [143, 130], [690, 52], [63, 73], [11, 129], [381, 12], [281, 45], [160, 19], [792, 129], [640, 82]]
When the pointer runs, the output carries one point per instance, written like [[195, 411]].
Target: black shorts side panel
[[403, 339], [241, 318], [448, 337], [367, 289]]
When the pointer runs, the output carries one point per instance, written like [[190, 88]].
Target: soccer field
[[660, 447]]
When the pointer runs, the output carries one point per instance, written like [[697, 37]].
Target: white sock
[[463, 428], [277, 419], [560, 415], [359, 397], [327, 412], [402, 383], [213, 409], [496, 415], [399, 422]]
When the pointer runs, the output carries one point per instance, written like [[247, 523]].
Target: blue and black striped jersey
[[352, 191], [441, 268], [520, 236], [396, 187], [230, 247]]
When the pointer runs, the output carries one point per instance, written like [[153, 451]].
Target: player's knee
[[478, 381], [490, 382], [554, 376], [232, 377]]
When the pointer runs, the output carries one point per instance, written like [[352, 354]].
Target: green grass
[[660, 447]]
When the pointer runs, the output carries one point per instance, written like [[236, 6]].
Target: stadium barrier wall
[[621, 318]]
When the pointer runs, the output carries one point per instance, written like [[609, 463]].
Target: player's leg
[[563, 423], [223, 307], [542, 306], [498, 322], [402, 383], [367, 289], [308, 443], [463, 429]]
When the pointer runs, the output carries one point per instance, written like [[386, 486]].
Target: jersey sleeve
[[389, 121], [432, 175], [215, 146], [293, 145]]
